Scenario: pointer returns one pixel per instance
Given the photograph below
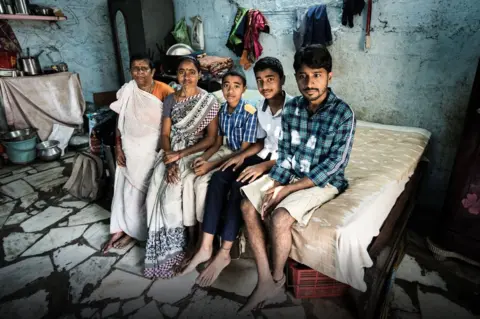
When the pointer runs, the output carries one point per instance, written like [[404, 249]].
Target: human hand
[[170, 157], [121, 160], [173, 174], [272, 198], [197, 162], [251, 173], [202, 167], [235, 161]]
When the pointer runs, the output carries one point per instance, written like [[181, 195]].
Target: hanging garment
[[316, 27], [256, 23], [235, 38], [351, 8], [299, 31], [8, 39], [198, 40]]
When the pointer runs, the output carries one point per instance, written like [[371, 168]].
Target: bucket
[[21, 152]]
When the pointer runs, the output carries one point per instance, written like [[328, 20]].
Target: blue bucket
[[21, 152]]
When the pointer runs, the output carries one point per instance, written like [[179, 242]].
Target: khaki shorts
[[300, 205]]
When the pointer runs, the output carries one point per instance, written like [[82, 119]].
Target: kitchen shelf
[[30, 17]]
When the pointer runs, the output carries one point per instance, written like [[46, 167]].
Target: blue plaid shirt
[[316, 145], [239, 126]]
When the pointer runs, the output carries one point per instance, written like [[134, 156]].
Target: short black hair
[[235, 73], [314, 56], [188, 58], [271, 63], [143, 57]]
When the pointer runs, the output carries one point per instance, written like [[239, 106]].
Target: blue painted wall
[[418, 72], [84, 42]]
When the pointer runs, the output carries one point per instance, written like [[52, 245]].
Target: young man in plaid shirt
[[313, 151]]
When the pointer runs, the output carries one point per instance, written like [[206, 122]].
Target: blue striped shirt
[[316, 146], [239, 126]]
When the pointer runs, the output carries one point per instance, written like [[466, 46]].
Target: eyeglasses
[[140, 69]]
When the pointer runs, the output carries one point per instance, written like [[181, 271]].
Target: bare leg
[[203, 254], [282, 223], [108, 245], [221, 260], [268, 286], [257, 240]]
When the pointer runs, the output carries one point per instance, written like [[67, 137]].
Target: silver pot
[[21, 7], [19, 135], [49, 150], [30, 64]]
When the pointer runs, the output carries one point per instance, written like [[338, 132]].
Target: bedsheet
[[336, 240]]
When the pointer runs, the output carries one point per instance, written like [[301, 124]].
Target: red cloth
[[256, 23], [8, 40]]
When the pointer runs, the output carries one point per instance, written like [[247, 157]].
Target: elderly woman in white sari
[[190, 126], [139, 106]]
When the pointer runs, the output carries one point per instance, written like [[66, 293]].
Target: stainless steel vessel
[[30, 64], [49, 150], [21, 7]]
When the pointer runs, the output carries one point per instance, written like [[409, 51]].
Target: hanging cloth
[[8, 39], [252, 48], [351, 8], [317, 26], [235, 39]]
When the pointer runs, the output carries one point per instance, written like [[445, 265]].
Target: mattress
[[336, 240]]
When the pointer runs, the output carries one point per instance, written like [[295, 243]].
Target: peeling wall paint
[[84, 42], [418, 72]]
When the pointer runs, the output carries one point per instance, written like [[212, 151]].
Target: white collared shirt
[[270, 127]]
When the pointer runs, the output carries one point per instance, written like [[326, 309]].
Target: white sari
[[166, 233], [139, 122]]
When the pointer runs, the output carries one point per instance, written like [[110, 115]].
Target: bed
[[355, 237]]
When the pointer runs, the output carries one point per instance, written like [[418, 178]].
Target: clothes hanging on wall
[[351, 8], [314, 28], [253, 49], [235, 38], [244, 35]]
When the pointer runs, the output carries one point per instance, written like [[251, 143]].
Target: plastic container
[[21, 152], [309, 283]]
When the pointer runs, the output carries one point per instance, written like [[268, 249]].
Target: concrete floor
[[51, 267]]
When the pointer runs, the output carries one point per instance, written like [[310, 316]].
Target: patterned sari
[[166, 233]]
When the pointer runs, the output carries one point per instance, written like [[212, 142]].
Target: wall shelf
[[30, 17]]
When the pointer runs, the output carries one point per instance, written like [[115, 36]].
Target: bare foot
[[201, 256], [107, 246], [210, 274], [262, 292], [119, 244], [189, 254]]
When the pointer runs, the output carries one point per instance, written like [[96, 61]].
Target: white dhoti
[[128, 209], [139, 123]]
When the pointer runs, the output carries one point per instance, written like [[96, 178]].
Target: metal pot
[[3, 7], [21, 7], [49, 150], [19, 135], [30, 64]]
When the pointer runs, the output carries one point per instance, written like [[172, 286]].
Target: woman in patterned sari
[[189, 127]]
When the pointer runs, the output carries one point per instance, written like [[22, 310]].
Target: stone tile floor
[[51, 267]]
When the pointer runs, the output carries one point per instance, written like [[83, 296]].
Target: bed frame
[[387, 251]]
